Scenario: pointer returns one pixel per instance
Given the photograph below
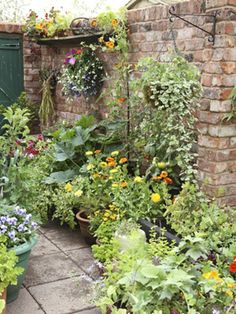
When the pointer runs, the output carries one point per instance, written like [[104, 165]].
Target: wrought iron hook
[[211, 34]]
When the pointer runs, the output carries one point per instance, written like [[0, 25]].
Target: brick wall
[[150, 35], [31, 61]]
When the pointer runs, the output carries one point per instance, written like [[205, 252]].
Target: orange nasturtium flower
[[109, 159], [121, 100], [114, 23], [98, 151], [156, 178], [111, 164], [164, 174], [168, 180], [124, 184], [123, 160], [93, 23], [110, 44]]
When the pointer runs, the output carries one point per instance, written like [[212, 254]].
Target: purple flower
[[12, 234], [3, 219], [215, 311], [20, 211], [3, 229], [20, 228], [12, 221], [72, 61], [34, 225]]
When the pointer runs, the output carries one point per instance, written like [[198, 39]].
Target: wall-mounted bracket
[[181, 17]]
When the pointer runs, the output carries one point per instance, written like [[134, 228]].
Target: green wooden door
[[11, 68]]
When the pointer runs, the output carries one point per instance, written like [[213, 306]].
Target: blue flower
[[12, 234], [3, 229], [20, 228]]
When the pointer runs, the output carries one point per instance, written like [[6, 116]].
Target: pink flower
[[40, 137], [72, 61]]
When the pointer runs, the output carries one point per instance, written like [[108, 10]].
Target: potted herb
[[8, 271], [18, 227]]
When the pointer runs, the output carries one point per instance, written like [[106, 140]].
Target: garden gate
[[11, 68]]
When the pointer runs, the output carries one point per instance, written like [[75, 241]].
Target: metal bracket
[[213, 16]]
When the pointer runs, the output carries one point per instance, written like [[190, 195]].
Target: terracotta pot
[[84, 224], [4, 297]]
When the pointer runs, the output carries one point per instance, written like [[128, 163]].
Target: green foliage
[[163, 114], [217, 225], [8, 271], [23, 102], [179, 279], [232, 114]]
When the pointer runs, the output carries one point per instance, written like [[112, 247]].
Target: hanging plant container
[[83, 25]]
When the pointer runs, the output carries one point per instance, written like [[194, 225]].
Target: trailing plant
[[162, 115], [8, 271], [54, 24], [232, 114], [47, 106], [82, 74], [114, 27], [215, 224], [179, 280]]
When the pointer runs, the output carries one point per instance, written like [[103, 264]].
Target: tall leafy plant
[[163, 109]]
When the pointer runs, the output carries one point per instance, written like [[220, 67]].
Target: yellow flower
[[115, 153], [103, 164], [231, 285], [68, 187], [138, 179], [113, 170], [155, 197], [105, 219], [39, 26], [229, 293], [113, 217], [89, 153], [123, 160], [212, 275], [115, 185], [106, 214], [78, 193], [96, 175], [90, 166], [124, 184], [101, 39], [111, 178]]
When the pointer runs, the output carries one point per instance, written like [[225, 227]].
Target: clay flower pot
[[84, 224]]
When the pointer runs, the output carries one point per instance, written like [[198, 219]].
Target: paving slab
[[43, 247], [65, 296], [65, 238], [84, 259], [48, 268], [25, 304]]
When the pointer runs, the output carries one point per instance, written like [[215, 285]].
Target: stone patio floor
[[61, 275]]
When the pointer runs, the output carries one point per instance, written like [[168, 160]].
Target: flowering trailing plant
[[82, 73], [53, 24], [17, 226]]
